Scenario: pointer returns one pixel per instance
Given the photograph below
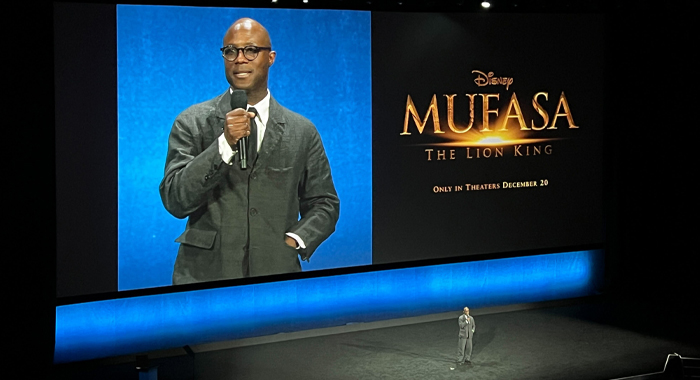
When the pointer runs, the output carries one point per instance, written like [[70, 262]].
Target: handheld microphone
[[239, 99]]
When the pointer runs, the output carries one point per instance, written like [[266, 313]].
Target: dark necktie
[[253, 140]]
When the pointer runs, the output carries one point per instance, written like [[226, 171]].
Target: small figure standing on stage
[[466, 333]]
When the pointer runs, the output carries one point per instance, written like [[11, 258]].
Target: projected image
[[382, 139], [488, 140], [241, 132]]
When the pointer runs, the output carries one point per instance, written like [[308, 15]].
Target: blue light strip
[[125, 326]]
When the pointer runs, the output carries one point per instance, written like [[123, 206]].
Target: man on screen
[[244, 217]]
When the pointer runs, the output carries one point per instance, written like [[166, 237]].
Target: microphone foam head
[[239, 99]]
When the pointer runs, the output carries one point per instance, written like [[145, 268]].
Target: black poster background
[[427, 54]]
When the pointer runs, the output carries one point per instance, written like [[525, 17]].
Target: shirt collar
[[263, 106]]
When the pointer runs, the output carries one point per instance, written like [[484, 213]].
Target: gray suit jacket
[[466, 330], [237, 219]]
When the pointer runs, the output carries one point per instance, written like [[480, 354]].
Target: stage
[[591, 338]]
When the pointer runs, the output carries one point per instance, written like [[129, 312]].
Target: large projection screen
[[450, 137]]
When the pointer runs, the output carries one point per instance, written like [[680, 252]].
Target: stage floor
[[592, 339]]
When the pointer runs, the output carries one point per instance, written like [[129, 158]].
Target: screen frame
[[67, 198]]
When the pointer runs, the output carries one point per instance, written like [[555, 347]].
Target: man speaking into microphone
[[251, 176]]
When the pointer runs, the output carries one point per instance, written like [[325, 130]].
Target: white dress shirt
[[227, 153]]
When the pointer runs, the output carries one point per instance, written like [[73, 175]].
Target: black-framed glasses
[[230, 52]]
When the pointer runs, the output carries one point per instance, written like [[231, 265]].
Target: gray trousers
[[464, 349]]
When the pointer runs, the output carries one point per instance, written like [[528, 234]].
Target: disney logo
[[483, 79]]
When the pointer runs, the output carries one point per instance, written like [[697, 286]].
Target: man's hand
[[290, 241], [237, 125]]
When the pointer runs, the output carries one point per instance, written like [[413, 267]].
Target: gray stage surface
[[577, 339]]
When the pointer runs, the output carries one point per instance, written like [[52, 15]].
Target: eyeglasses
[[230, 52]]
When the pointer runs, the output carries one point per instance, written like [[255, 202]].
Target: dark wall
[[29, 265], [651, 210]]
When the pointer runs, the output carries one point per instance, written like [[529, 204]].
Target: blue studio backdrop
[[168, 59]]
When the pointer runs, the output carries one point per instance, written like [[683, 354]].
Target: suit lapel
[[218, 120], [273, 132], [223, 106]]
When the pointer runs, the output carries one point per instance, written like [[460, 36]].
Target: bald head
[[251, 26], [249, 73]]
